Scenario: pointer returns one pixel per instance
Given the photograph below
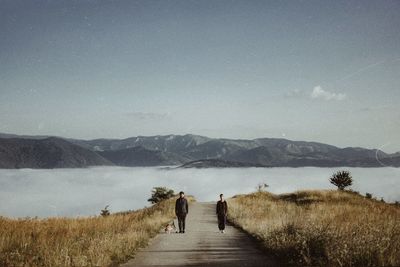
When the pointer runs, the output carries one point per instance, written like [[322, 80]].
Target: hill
[[83, 241], [217, 163], [296, 227], [139, 156], [271, 152], [46, 153]]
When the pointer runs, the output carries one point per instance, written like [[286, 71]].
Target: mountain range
[[186, 150], [46, 153]]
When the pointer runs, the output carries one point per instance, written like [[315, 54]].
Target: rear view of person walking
[[222, 211], [181, 210]]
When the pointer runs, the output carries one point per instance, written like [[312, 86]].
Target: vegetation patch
[[95, 241], [321, 228]]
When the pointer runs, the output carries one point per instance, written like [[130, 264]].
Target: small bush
[[105, 212], [160, 193], [368, 195], [261, 187], [341, 179]]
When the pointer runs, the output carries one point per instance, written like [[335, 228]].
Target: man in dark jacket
[[181, 210], [222, 211]]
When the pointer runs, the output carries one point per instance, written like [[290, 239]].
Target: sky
[[326, 71]]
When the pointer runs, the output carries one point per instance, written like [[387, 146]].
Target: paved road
[[202, 245]]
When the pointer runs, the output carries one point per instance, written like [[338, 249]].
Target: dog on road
[[170, 227]]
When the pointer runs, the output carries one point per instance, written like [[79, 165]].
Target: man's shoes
[[183, 231]]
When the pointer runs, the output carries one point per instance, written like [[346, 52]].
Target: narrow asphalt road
[[202, 245]]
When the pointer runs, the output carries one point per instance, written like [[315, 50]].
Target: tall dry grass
[[93, 241], [321, 228]]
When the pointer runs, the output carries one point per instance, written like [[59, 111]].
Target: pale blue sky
[[325, 71]]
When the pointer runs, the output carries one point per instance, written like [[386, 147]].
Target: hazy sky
[[325, 71]]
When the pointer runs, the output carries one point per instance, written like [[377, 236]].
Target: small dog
[[170, 227]]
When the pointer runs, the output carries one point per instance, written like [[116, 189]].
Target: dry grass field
[[93, 241], [321, 228]]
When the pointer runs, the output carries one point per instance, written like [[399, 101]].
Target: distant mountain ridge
[[217, 163], [47, 153], [139, 156], [213, 152]]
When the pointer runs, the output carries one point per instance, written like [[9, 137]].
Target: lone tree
[[341, 179], [160, 193]]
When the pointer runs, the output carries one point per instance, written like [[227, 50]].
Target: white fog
[[84, 192]]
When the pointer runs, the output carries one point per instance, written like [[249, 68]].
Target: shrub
[[261, 187], [341, 179], [105, 212], [368, 195], [160, 193]]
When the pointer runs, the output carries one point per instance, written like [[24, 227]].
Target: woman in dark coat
[[222, 210]]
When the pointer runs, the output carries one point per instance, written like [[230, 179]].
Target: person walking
[[222, 211], [181, 210]]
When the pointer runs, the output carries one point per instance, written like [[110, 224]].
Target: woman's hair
[[220, 195]]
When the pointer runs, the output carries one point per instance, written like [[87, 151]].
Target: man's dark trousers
[[181, 221]]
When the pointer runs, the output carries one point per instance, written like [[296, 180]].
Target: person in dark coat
[[222, 211], [181, 210]]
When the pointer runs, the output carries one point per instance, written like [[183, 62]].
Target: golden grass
[[321, 228], [93, 241]]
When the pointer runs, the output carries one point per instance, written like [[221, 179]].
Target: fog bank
[[83, 192]]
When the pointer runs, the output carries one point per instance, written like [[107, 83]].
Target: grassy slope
[[321, 228], [94, 241]]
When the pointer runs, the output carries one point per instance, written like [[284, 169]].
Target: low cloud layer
[[319, 93], [84, 192]]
